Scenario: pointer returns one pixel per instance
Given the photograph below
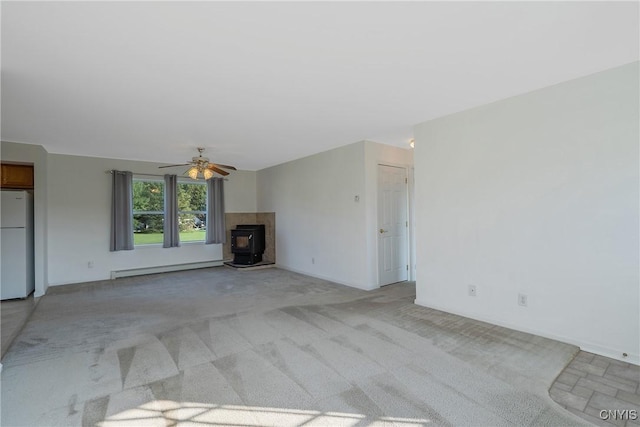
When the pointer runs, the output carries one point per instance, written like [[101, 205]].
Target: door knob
[[382, 231]]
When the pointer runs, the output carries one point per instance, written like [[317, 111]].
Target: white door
[[393, 261]]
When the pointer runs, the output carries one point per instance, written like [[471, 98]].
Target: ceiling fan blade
[[224, 166], [172, 166], [216, 169]]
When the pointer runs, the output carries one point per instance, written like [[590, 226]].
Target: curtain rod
[[110, 171]]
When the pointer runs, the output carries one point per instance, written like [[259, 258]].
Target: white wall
[[317, 216], [79, 220], [240, 193], [537, 194], [37, 156]]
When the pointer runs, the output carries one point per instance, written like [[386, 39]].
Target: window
[[192, 211], [148, 211]]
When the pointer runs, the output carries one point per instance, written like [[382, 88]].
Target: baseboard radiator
[[116, 274]]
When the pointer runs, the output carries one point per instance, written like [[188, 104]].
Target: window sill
[[159, 245], [192, 242]]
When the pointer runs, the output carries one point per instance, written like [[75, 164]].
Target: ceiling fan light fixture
[[202, 167], [193, 173]]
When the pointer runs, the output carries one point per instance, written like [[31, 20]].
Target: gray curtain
[[121, 211], [216, 232], [171, 229]]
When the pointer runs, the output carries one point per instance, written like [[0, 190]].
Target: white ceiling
[[262, 83]]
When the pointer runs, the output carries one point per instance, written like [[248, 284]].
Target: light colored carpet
[[269, 347], [14, 314]]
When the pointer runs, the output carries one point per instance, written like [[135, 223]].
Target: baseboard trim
[[116, 274], [633, 358], [328, 279]]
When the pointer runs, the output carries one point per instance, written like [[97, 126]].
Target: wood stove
[[248, 243]]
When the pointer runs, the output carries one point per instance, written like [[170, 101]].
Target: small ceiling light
[[193, 173], [412, 143], [208, 173]]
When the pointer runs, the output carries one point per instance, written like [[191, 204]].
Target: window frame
[[159, 180], [184, 180], [147, 178]]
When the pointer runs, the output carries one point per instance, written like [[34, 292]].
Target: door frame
[[410, 240]]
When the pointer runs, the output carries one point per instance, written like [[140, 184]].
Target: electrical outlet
[[522, 300], [472, 290], [90, 264], [313, 260]]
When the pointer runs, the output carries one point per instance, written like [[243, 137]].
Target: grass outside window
[[158, 238]]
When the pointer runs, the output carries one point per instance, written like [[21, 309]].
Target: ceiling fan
[[202, 166]]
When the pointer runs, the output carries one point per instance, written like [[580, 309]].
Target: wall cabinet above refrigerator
[[17, 176]]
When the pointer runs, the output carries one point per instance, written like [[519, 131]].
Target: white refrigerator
[[16, 241]]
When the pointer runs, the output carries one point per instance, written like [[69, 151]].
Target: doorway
[[393, 225]]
